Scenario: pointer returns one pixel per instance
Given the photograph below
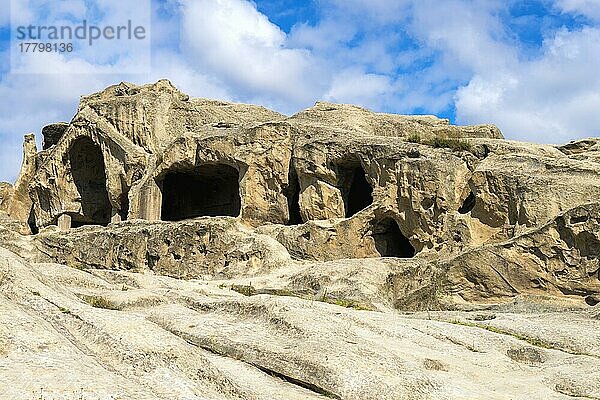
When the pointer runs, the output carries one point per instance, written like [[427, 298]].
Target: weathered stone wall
[[331, 182]]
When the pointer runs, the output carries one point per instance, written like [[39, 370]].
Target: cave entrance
[[468, 204], [356, 190], [89, 175], [389, 240], [208, 191], [292, 193]]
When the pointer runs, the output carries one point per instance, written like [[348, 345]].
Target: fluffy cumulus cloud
[[356, 87], [468, 60], [551, 98], [45, 88], [232, 40]]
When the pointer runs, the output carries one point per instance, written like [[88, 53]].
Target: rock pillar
[[64, 222], [150, 201]]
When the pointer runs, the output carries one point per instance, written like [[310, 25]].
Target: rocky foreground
[[104, 334]]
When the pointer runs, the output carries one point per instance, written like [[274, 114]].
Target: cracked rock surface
[[133, 335]]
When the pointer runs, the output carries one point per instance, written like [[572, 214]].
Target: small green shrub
[[449, 143], [101, 302], [343, 302], [246, 290], [531, 340], [414, 138], [98, 302]]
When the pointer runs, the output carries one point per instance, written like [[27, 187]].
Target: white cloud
[[468, 36], [233, 40], [553, 98], [588, 8], [355, 87], [354, 53], [30, 101], [328, 35], [170, 65]]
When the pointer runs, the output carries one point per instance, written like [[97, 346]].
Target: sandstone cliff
[[331, 182], [232, 238]]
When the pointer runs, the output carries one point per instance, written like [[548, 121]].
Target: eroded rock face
[[329, 183], [52, 134], [562, 258], [523, 190], [162, 247], [198, 248], [15, 200]]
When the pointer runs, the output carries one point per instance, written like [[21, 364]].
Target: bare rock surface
[[561, 257], [133, 335]]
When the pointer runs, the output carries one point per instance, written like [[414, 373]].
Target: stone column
[[64, 222], [115, 216], [150, 201]]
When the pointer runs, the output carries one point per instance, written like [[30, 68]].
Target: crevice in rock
[[292, 193], [124, 211], [585, 242], [591, 300], [579, 219], [588, 244], [446, 338], [469, 203], [389, 240], [207, 191], [32, 223], [297, 382], [356, 191]]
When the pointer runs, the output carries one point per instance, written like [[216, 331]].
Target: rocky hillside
[[163, 247]]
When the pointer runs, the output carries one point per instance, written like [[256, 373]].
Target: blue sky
[[529, 67]]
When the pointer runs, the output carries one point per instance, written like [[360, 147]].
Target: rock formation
[[232, 238]]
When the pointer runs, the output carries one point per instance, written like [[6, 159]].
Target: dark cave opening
[[124, 211], [292, 193], [88, 172], [468, 204], [591, 301], [389, 240], [356, 190], [210, 190], [32, 223]]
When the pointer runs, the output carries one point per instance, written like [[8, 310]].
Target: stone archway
[[390, 241], [89, 176], [356, 191]]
